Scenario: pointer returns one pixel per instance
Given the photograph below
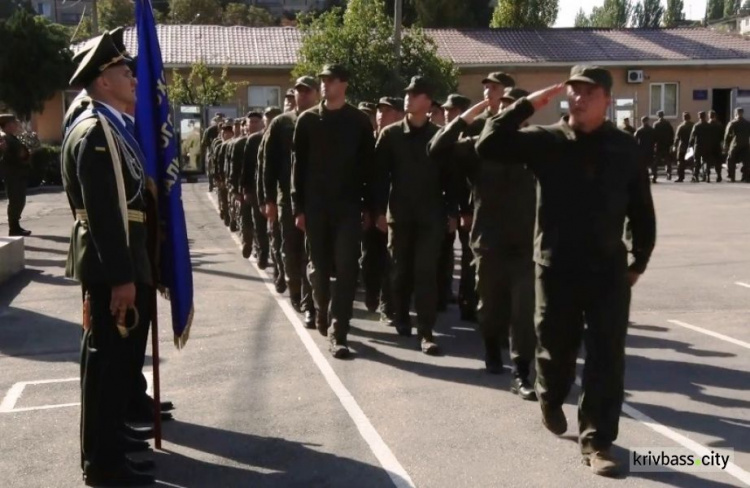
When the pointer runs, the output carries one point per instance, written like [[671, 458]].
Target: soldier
[[109, 257], [274, 228], [646, 139], [227, 135], [210, 135], [627, 127], [289, 103], [701, 140], [369, 109], [247, 162], [436, 114], [589, 181], [717, 138], [502, 240], [664, 135], [191, 146], [14, 170], [411, 190], [681, 144], [737, 145], [277, 172], [455, 105], [333, 151], [374, 260]]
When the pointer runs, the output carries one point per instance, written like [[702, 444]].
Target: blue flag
[[155, 134]]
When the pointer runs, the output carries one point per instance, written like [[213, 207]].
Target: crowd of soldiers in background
[[253, 165], [701, 146]]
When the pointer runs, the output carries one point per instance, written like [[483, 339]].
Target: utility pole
[[94, 19], [397, 17]]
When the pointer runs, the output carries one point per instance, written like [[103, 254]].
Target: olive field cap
[[367, 107], [306, 81], [512, 94], [593, 75], [420, 86], [254, 113], [334, 71], [272, 111], [456, 100], [499, 77], [393, 102], [289, 93]]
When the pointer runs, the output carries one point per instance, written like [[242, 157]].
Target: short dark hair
[[644, 119]]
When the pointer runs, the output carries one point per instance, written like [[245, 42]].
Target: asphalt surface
[[254, 408]]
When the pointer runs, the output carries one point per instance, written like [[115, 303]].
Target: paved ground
[[260, 404]]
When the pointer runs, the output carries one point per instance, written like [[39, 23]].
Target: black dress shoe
[[521, 387], [321, 323], [263, 262], [280, 286], [138, 433], [372, 302], [494, 366], [296, 302], [140, 465], [309, 319], [19, 232], [554, 419], [403, 328], [128, 444], [123, 475]]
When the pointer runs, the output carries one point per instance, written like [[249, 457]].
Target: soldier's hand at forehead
[[541, 98], [475, 111]]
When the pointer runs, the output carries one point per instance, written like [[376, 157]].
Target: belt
[[133, 216]]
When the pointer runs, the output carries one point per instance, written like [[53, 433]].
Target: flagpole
[[155, 367]]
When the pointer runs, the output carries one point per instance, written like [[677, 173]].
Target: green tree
[[524, 13], [451, 13], [260, 17], [82, 31], [731, 7], [581, 20], [714, 10], [234, 14], [674, 14], [202, 87], [362, 39], [648, 14], [115, 13], [614, 14], [205, 12], [746, 5], [35, 62]]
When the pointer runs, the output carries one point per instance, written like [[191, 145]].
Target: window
[[44, 9], [664, 97], [263, 96]]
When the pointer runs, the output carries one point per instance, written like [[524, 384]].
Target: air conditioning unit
[[635, 76]]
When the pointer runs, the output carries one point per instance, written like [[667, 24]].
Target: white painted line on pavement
[[711, 333], [14, 393], [732, 469], [379, 448], [740, 283]]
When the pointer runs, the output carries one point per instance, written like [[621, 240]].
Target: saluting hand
[[475, 111], [541, 98]]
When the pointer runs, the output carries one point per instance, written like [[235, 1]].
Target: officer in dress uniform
[[105, 182]]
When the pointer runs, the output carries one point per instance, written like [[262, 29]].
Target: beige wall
[[47, 124]]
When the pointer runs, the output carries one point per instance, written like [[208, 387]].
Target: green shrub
[[45, 166]]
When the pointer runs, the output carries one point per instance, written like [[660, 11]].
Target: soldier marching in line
[[664, 135], [272, 229], [737, 145], [681, 145], [243, 182], [331, 178], [502, 239], [276, 177], [645, 136], [702, 142], [211, 134], [220, 155], [15, 165], [582, 267], [411, 207], [717, 139]]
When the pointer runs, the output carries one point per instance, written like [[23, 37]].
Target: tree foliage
[[259, 17], [115, 13], [714, 10], [674, 13], [731, 7], [525, 13], [648, 14], [581, 20], [234, 14], [202, 87], [361, 37], [614, 14], [35, 62], [205, 12]]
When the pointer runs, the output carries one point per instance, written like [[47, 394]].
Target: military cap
[[117, 38], [456, 100], [6, 118], [421, 86], [393, 102], [228, 123], [306, 81], [254, 113], [101, 57], [593, 75], [513, 94], [272, 111], [645, 119], [499, 77], [289, 93], [367, 107], [701, 114], [334, 71], [660, 113]]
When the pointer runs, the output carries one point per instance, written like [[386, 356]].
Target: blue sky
[[694, 9]]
